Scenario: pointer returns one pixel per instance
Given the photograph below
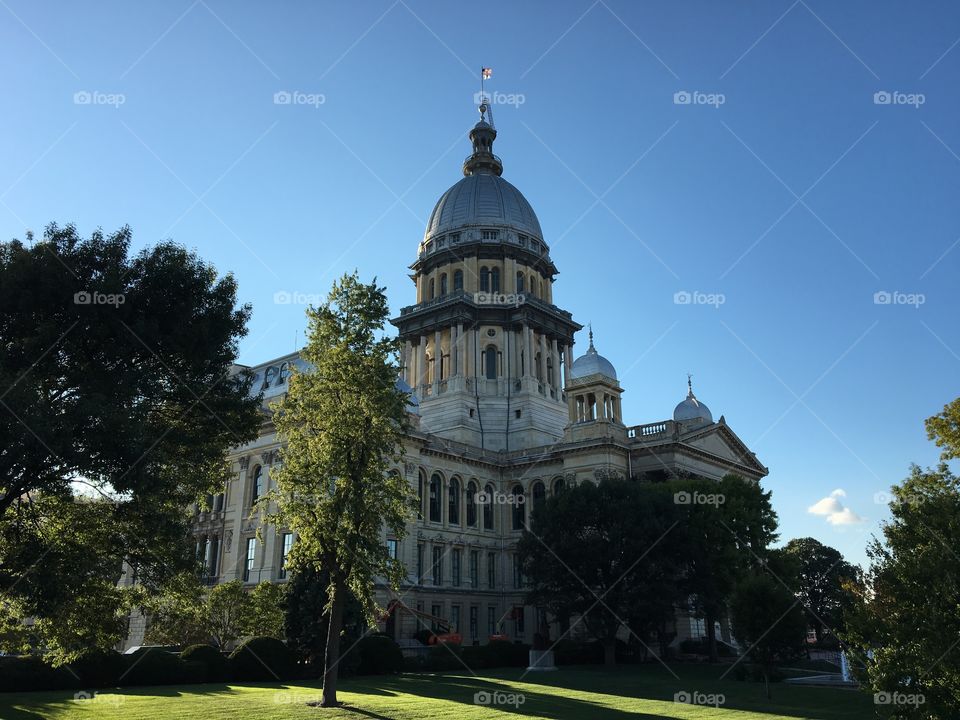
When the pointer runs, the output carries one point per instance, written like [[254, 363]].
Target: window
[[435, 610], [441, 242], [549, 371], [437, 566], [557, 485], [420, 563], [458, 280], [256, 485], [455, 618], [248, 558], [523, 240], [455, 568], [518, 621], [454, 237], [287, 545], [492, 570], [490, 362], [421, 481], [474, 622], [431, 293], [518, 502], [489, 234], [539, 495], [495, 280], [471, 504], [443, 284], [517, 573], [218, 503], [474, 568], [453, 502], [520, 278], [392, 548], [488, 508], [491, 620], [435, 490], [484, 279]]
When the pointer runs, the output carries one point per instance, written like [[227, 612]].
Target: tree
[[227, 613], [266, 610], [119, 383], [725, 530], [944, 430], [906, 621], [343, 423], [305, 622], [603, 553], [818, 578], [767, 621]]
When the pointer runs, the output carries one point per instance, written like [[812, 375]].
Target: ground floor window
[[474, 621], [491, 620]]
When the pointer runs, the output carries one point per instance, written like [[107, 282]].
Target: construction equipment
[[447, 634]]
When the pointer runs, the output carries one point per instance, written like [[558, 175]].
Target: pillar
[[422, 362]]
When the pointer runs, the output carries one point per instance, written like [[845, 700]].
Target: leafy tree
[[343, 422], [267, 602], [119, 383], [306, 623], [906, 621], [177, 616], [227, 613], [603, 553], [944, 430], [767, 621], [818, 578]]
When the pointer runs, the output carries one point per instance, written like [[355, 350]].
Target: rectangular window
[[248, 558], [392, 548], [474, 569], [517, 573], [474, 622], [455, 618], [287, 545], [435, 611], [455, 568], [518, 621], [437, 566], [492, 570], [420, 563], [491, 620], [489, 234]]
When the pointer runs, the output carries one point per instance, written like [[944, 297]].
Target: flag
[[486, 73]]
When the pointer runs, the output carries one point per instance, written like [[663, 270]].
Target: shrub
[[152, 666], [379, 655], [262, 658], [573, 652], [500, 653], [19, 673], [444, 657], [475, 656], [100, 669], [214, 664]]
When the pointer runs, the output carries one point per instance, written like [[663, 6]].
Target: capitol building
[[502, 407]]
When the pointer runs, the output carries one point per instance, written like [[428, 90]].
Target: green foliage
[[226, 612], [178, 615], [379, 655], [100, 669], [944, 430], [305, 621], [213, 662], [133, 401], [262, 659], [343, 423], [908, 612], [266, 610], [153, 666], [26, 673], [767, 621]]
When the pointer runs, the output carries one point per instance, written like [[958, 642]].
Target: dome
[[483, 200], [592, 363], [692, 409], [413, 404]]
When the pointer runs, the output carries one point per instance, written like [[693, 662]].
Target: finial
[[689, 385], [590, 325]]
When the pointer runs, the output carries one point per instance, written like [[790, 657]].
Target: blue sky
[[786, 188]]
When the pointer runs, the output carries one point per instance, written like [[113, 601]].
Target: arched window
[[533, 285], [539, 492], [458, 280], [471, 504], [436, 485], [488, 508], [430, 296], [443, 284], [519, 514], [256, 484], [490, 362], [421, 482], [520, 278], [538, 370], [558, 485], [495, 280], [484, 279], [453, 502], [549, 371]]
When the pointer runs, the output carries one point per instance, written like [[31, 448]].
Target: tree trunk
[[711, 636], [610, 651], [766, 680], [332, 657]]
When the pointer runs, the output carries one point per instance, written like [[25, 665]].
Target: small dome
[[692, 409], [592, 363], [413, 404]]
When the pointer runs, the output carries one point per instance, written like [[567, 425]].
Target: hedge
[[379, 655], [214, 664], [262, 658]]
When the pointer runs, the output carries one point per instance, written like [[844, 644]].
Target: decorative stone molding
[[228, 540], [244, 462], [268, 457], [410, 468]]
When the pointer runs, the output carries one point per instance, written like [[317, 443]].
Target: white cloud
[[833, 509]]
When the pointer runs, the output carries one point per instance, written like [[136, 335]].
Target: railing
[[650, 430]]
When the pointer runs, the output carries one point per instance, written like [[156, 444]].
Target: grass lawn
[[569, 694]]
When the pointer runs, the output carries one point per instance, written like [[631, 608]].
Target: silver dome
[[592, 363], [483, 200], [413, 403], [692, 409]]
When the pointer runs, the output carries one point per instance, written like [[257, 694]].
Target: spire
[[482, 136], [590, 325], [690, 395]]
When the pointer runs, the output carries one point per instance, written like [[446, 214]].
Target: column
[[407, 361], [422, 362], [437, 359], [555, 360], [527, 350], [567, 363], [458, 368], [471, 364], [543, 358]]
